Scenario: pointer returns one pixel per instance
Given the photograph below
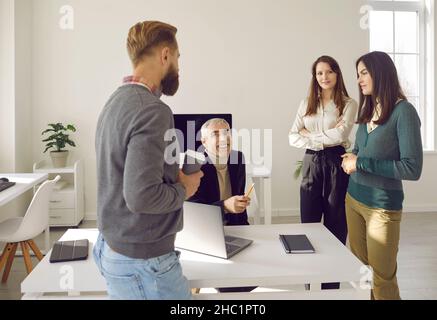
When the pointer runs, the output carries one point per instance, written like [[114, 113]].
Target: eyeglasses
[[220, 133]]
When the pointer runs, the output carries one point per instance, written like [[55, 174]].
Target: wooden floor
[[417, 259]]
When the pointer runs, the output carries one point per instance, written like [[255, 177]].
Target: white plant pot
[[59, 159]]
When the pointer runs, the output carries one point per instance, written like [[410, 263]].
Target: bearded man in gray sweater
[[141, 190]]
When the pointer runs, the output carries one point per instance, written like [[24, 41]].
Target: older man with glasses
[[224, 178]]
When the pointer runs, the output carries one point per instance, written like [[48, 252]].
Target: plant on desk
[[59, 139]]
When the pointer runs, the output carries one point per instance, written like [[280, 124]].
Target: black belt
[[338, 149]]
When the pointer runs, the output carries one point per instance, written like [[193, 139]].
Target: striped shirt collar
[[138, 81]]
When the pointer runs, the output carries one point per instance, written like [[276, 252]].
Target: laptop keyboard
[[230, 239], [230, 248], [6, 185]]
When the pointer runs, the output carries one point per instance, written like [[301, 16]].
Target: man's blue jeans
[[158, 278]]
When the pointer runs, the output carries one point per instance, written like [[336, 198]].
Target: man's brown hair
[[146, 36]]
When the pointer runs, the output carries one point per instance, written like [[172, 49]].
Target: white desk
[[263, 264], [261, 176], [24, 182]]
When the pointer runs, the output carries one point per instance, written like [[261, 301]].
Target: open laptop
[[204, 233]]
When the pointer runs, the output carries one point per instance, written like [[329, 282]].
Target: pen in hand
[[250, 190]]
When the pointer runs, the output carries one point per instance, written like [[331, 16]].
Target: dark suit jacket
[[209, 190]]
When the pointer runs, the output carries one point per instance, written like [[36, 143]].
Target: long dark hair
[[340, 92], [386, 87]]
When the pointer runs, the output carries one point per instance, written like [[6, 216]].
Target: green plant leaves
[[48, 130], [59, 137], [298, 170], [71, 143], [48, 146], [71, 127]]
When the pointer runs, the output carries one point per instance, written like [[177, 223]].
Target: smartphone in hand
[[193, 162]]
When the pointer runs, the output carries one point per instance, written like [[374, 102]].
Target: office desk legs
[[256, 218], [47, 240], [315, 287], [267, 201], [263, 191]]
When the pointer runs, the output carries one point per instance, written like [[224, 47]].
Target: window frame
[[425, 10]]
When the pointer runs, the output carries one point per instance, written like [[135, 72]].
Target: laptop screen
[[203, 232]]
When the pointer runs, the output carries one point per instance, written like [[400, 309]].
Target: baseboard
[[420, 209], [283, 213], [295, 212], [90, 216], [286, 213]]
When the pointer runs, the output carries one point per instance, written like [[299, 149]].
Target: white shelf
[[67, 189], [45, 167], [66, 207]]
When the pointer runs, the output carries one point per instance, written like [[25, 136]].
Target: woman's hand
[[349, 164], [304, 132], [340, 123]]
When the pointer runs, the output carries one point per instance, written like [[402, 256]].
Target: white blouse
[[376, 114], [322, 126]]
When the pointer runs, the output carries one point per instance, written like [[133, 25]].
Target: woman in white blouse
[[323, 124]]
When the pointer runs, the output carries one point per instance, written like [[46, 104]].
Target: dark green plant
[[298, 170], [59, 137]]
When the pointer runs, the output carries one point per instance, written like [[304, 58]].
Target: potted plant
[[58, 140], [298, 169]]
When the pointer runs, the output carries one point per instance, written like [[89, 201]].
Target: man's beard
[[170, 84]]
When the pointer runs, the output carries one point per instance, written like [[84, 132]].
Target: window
[[401, 28]]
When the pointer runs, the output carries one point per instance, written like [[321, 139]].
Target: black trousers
[[323, 193]]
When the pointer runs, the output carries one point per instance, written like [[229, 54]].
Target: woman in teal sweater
[[388, 149]]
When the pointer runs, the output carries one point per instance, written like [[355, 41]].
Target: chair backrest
[[36, 219]]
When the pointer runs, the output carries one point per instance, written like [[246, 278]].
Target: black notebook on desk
[[64, 251], [297, 243]]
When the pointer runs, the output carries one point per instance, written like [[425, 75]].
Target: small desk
[[263, 264], [24, 182], [261, 176]]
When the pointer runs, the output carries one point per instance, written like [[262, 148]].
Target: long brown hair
[[340, 92], [386, 87]]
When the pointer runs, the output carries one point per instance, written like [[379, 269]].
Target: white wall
[[23, 84], [248, 57], [7, 96], [15, 95]]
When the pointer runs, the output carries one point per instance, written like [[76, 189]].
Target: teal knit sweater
[[391, 153]]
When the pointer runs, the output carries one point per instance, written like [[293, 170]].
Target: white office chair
[[22, 230]]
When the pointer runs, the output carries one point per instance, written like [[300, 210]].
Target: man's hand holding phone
[[190, 182]]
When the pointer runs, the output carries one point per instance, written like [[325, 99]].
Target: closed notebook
[[298, 243], [64, 251]]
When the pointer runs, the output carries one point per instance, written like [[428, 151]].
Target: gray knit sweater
[[139, 202]]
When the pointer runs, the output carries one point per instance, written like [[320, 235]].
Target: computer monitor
[[188, 128]]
